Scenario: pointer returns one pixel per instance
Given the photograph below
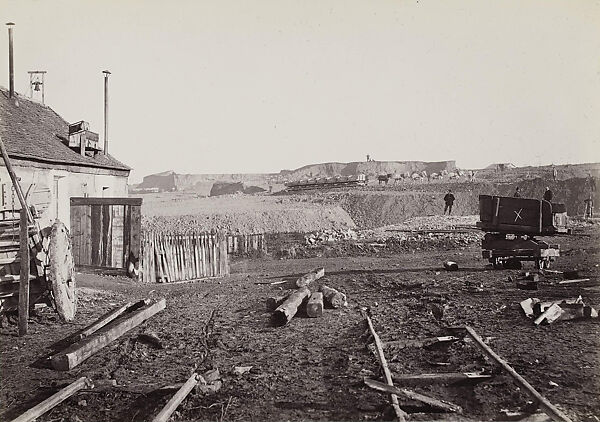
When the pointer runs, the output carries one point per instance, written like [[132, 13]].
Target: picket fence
[[246, 244], [170, 257]]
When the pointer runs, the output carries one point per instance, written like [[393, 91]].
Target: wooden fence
[[178, 257], [246, 244]]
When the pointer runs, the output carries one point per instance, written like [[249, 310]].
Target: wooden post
[[38, 410], [400, 414], [78, 352], [314, 306], [543, 402], [24, 274], [176, 400]]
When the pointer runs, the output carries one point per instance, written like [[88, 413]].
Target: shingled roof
[[32, 131]]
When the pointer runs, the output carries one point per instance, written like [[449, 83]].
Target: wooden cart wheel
[[60, 273]]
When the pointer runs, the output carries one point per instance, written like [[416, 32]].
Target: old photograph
[[296, 210]]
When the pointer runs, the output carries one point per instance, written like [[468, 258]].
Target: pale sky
[[260, 86]]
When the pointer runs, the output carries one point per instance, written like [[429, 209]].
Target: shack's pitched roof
[[32, 131]]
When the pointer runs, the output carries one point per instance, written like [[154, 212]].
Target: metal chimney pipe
[[106, 73], [11, 65]]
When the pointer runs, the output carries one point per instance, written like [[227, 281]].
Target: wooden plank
[[400, 414], [134, 231], [80, 351], [24, 276], [438, 378], [96, 234], [86, 230], [543, 402], [106, 235], [203, 250], [52, 401], [118, 223], [430, 401], [76, 235], [167, 411], [76, 200]]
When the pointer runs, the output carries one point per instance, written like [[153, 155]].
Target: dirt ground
[[313, 368]]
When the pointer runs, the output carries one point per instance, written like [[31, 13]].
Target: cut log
[[314, 306], [38, 410], [176, 400], [274, 302], [333, 297], [103, 320], [543, 402], [286, 311], [308, 278], [430, 401], [443, 378], [80, 351], [400, 414]]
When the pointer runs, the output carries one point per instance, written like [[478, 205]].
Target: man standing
[[589, 207], [517, 193], [548, 195], [449, 200]]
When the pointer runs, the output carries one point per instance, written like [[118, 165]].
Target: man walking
[[517, 193], [449, 200]]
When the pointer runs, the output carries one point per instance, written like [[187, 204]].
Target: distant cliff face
[[202, 183]]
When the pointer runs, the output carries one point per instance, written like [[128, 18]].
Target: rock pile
[[323, 236]]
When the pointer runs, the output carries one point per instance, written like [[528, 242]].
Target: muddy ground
[[313, 369]]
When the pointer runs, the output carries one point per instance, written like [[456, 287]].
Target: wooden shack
[[105, 232]]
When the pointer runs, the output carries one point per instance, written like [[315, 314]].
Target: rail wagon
[[511, 226]]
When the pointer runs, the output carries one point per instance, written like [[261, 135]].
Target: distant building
[[54, 161]]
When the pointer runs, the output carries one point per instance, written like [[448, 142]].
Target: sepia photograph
[[299, 210]]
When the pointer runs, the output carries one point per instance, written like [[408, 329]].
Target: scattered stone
[[241, 370], [450, 266]]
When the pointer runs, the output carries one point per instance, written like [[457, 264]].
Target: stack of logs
[[286, 305]]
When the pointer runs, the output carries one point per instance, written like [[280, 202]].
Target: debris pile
[[558, 310], [330, 235], [286, 305]]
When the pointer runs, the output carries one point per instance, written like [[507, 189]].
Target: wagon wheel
[[60, 273]]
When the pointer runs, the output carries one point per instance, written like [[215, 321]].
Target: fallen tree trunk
[[543, 402], [400, 414], [286, 311], [38, 410], [180, 395], [333, 297], [430, 401], [308, 278], [314, 306], [274, 302], [80, 351], [443, 378]]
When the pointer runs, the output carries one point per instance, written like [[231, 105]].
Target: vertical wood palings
[[170, 257]]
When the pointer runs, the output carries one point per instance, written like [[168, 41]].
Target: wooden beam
[[430, 401], [438, 378], [165, 413], [103, 320], [24, 274], [80, 351], [15, 181], [314, 306], [308, 278], [38, 410], [75, 200], [400, 414], [543, 402]]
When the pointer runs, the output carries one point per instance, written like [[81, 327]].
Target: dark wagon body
[[511, 225]]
